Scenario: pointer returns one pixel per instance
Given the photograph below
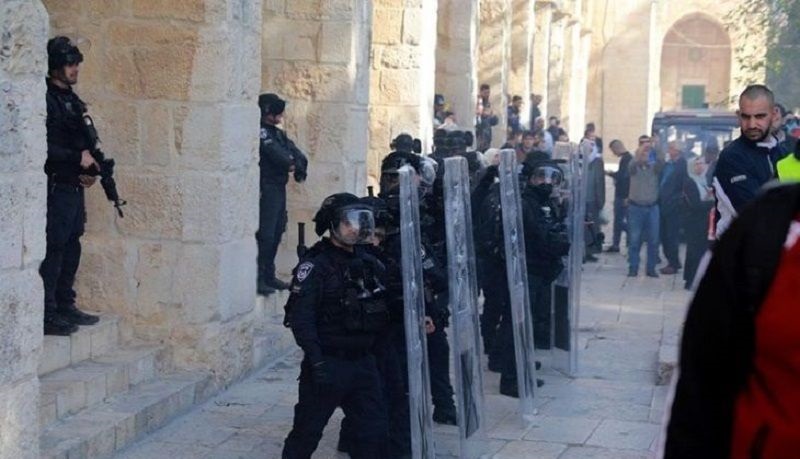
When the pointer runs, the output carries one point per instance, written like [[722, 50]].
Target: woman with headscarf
[[699, 201]]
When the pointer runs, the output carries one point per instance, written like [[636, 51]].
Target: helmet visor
[[547, 174], [354, 226]]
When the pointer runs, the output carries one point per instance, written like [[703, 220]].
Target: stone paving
[[611, 409]]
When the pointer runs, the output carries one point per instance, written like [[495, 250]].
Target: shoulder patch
[[304, 270], [738, 178]]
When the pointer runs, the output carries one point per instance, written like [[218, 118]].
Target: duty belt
[[345, 354]]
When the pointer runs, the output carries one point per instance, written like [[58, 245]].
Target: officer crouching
[[335, 311]]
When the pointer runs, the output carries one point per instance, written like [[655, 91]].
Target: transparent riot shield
[[419, 382], [517, 272], [465, 321], [566, 288]]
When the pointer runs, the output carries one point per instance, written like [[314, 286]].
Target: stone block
[[400, 57], [125, 33], [20, 329], [103, 338], [105, 279], [34, 219], [399, 87], [412, 26], [11, 207], [157, 135], [335, 43], [80, 347], [189, 10], [19, 423], [237, 273], [158, 212], [387, 26], [156, 274], [298, 40], [70, 398], [240, 131], [117, 125], [198, 282], [55, 354]]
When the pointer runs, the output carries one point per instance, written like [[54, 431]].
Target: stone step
[[100, 431], [84, 384], [89, 341], [271, 342]]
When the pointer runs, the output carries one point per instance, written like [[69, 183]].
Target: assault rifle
[[105, 166]]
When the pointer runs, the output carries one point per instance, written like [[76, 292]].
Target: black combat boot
[[74, 315], [445, 416], [55, 325]]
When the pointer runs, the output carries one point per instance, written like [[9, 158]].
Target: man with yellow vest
[[789, 166]]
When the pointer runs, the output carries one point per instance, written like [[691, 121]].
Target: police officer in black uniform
[[69, 170], [279, 157], [335, 309]]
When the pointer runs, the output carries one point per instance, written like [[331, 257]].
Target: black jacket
[[65, 135], [315, 309], [718, 341], [622, 177], [546, 240], [277, 154], [670, 189], [743, 168]]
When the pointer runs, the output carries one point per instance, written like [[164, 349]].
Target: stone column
[[494, 59], [522, 31], [173, 87], [540, 79], [555, 73], [403, 59], [316, 56], [457, 58], [23, 62]]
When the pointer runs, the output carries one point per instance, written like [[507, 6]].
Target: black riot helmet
[[271, 104], [457, 141], [543, 176], [61, 52], [424, 167], [406, 144], [349, 220]]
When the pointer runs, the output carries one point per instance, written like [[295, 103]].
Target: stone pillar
[[522, 31], [555, 73], [494, 59], [23, 63], [576, 68], [173, 87], [316, 56], [540, 79], [402, 59], [457, 58]]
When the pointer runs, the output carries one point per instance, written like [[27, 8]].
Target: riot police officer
[[335, 309], [546, 243], [279, 157], [69, 171]]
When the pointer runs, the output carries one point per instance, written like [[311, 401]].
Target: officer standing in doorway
[[279, 157], [70, 168], [335, 310]]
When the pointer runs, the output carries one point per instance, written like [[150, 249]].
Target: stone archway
[[696, 64]]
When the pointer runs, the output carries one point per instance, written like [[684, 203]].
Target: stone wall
[[173, 88], [520, 73], [23, 63], [457, 58], [316, 56], [402, 70]]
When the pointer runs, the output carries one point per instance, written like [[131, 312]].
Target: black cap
[[438, 99], [271, 104], [403, 142], [394, 161], [61, 52]]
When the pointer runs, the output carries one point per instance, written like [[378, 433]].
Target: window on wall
[[693, 96]]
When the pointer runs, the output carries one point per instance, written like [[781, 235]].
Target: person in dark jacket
[[335, 310], [485, 119], [672, 205], [699, 202], [546, 242], [68, 166], [279, 157], [622, 183], [727, 362], [748, 162]]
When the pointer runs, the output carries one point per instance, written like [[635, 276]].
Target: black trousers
[[669, 231], [66, 217], [439, 361], [357, 390], [272, 220], [540, 298], [495, 301]]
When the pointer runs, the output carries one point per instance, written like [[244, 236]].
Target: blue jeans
[[643, 222]]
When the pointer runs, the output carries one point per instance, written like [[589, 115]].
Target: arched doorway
[[695, 65]]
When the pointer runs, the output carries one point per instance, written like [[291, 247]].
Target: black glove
[[321, 373]]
